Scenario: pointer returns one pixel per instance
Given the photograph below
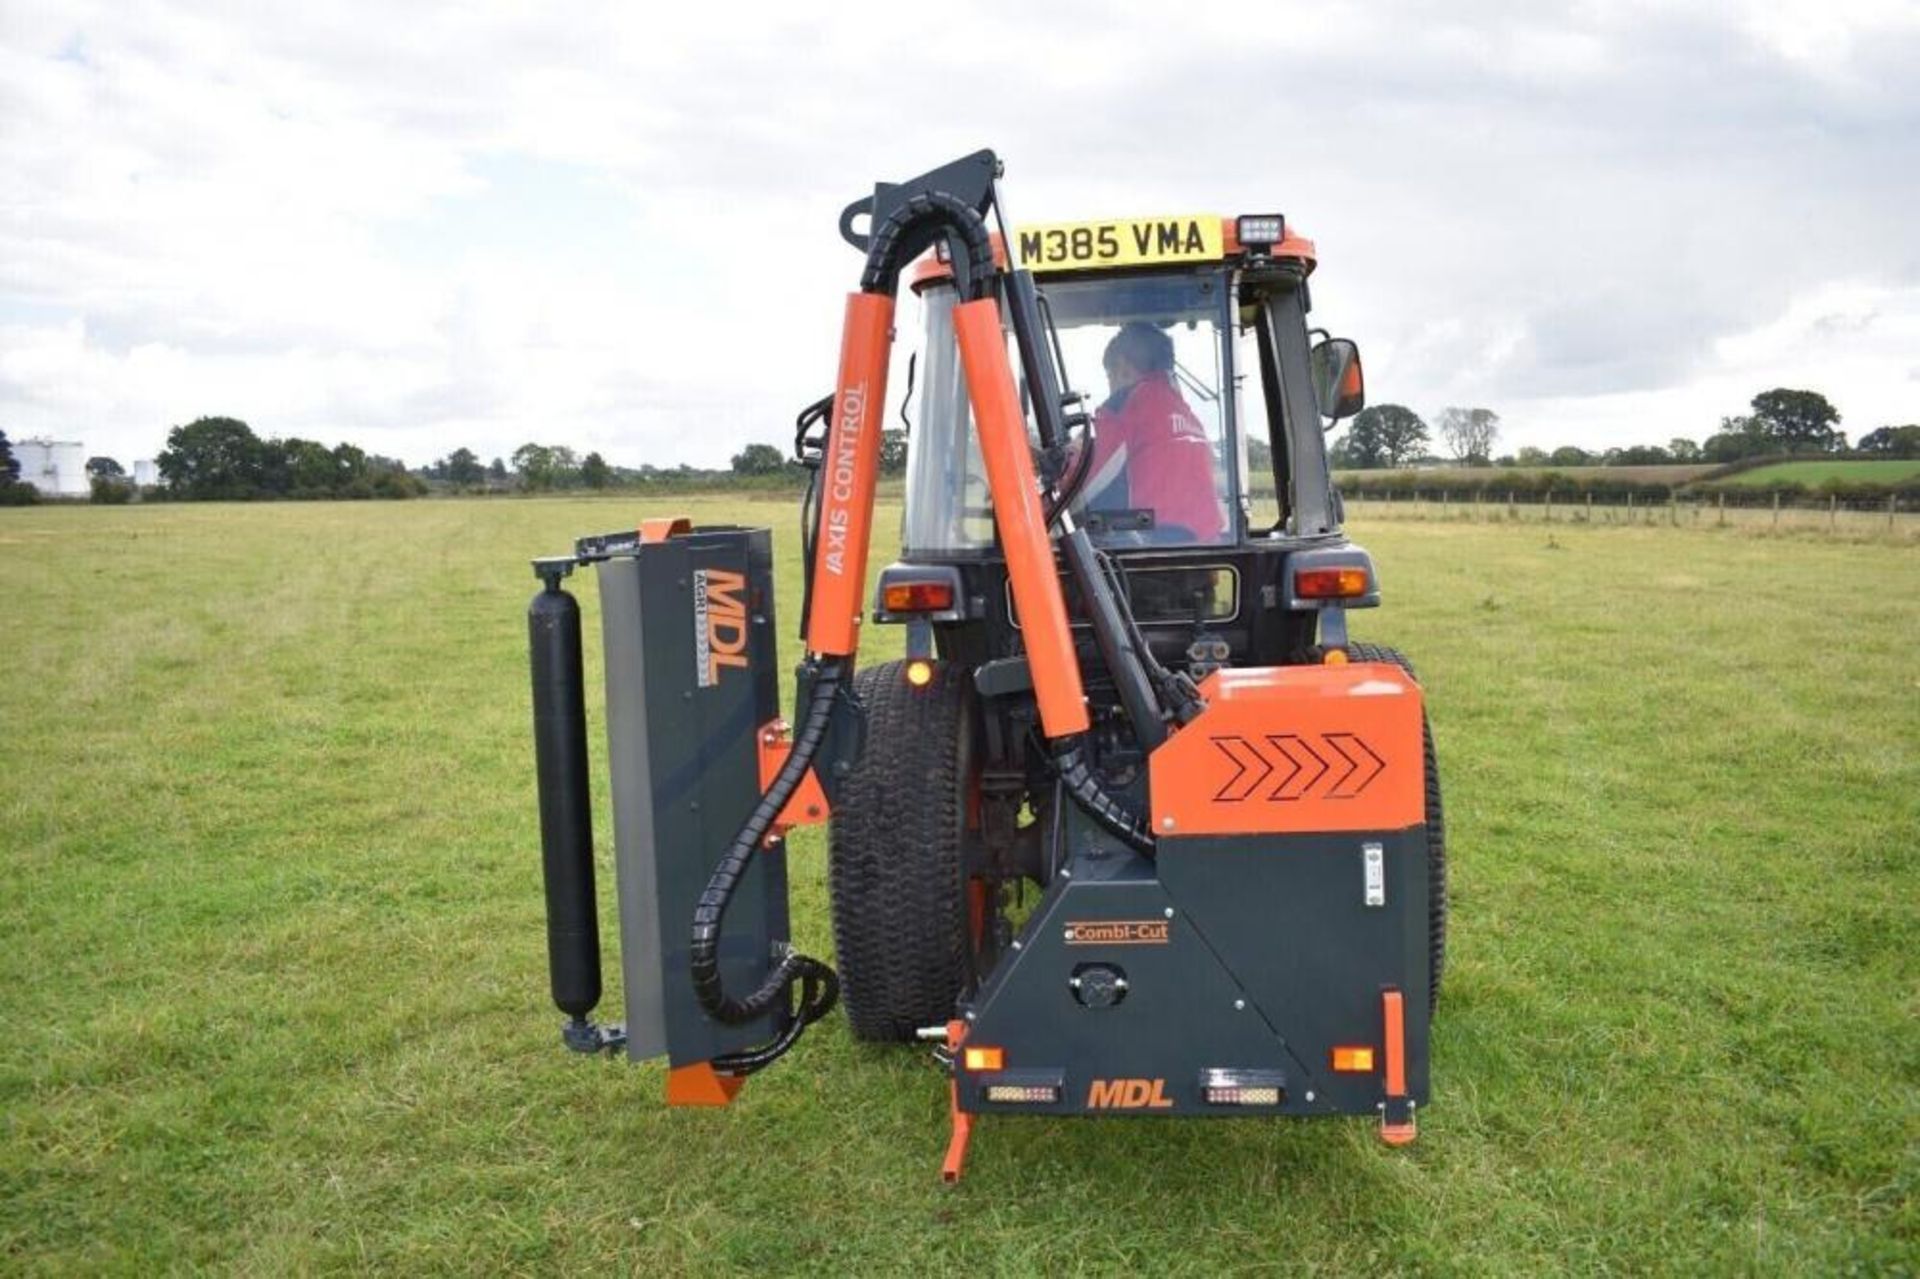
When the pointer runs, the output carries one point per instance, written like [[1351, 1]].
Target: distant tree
[[1569, 455], [1682, 449], [1339, 456], [111, 490], [594, 471], [1798, 421], [1638, 455], [1469, 433], [12, 492], [893, 452], [497, 470], [104, 467], [758, 459], [311, 469], [566, 467], [1530, 456], [1259, 456], [462, 468], [1892, 441], [1385, 435], [534, 463], [1507, 460], [213, 458]]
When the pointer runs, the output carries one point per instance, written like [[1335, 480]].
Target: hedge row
[[1528, 486]]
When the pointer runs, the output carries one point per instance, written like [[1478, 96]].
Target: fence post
[[1721, 505], [1776, 508], [1833, 511], [1629, 506], [1892, 500], [1549, 506], [1589, 506], [1511, 513], [1673, 509], [1443, 503]]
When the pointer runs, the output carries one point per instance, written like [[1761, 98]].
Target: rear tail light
[[1353, 1059], [917, 597], [1243, 1087], [919, 672], [984, 1058], [1330, 583]]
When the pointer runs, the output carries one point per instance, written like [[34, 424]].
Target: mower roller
[[1128, 687]]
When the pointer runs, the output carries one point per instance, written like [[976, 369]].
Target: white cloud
[[614, 227]]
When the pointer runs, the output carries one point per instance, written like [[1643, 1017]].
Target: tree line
[[1782, 421]]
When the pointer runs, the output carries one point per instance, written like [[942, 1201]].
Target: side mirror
[[1339, 387]]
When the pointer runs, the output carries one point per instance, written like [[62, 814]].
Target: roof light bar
[[1260, 230]]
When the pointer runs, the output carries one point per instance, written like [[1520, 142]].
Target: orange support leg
[[1396, 1113], [956, 1159]]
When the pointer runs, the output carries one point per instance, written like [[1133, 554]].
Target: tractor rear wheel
[[1436, 829], [897, 876]]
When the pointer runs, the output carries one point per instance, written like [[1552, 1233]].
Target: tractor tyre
[[896, 874], [1436, 828]]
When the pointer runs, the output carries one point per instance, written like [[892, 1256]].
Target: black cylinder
[[566, 815]]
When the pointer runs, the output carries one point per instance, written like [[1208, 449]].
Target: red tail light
[[1330, 583], [918, 597]]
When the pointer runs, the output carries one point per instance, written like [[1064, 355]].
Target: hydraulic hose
[[904, 233], [1084, 788], [819, 987]]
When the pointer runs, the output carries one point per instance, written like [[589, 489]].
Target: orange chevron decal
[[1295, 748]]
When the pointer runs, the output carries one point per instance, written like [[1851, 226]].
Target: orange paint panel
[[1295, 748], [1017, 515], [847, 475], [659, 530], [700, 1085], [808, 804]]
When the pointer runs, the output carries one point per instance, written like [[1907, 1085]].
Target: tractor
[[1134, 827]]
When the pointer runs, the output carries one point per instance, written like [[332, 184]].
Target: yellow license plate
[[1081, 246]]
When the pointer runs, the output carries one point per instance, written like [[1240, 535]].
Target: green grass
[[273, 985], [1884, 471]]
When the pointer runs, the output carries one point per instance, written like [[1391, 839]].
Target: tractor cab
[[1200, 466]]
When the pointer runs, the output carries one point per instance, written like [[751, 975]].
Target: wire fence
[[1881, 518]]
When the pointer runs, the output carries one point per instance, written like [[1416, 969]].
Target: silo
[[58, 468]]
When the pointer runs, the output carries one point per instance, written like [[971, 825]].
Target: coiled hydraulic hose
[[898, 238], [1083, 788], [821, 988]]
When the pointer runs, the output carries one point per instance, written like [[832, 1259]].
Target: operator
[[1150, 451]]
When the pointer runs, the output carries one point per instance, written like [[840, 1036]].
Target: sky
[[614, 226]]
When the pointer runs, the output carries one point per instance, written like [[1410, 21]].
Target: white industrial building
[[58, 468], [145, 473]]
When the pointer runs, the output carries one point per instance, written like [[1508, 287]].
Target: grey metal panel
[[1311, 511], [636, 875], [685, 763]]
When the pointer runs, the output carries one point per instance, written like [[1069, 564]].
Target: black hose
[[819, 987], [914, 225], [1084, 788]]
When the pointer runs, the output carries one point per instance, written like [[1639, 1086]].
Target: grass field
[[273, 988], [1889, 471]]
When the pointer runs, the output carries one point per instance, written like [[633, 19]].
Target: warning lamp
[[1330, 583], [920, 674], [917, 597], [1353, 1059], [1260, 230], [985, 1058], [1243, 1087]]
